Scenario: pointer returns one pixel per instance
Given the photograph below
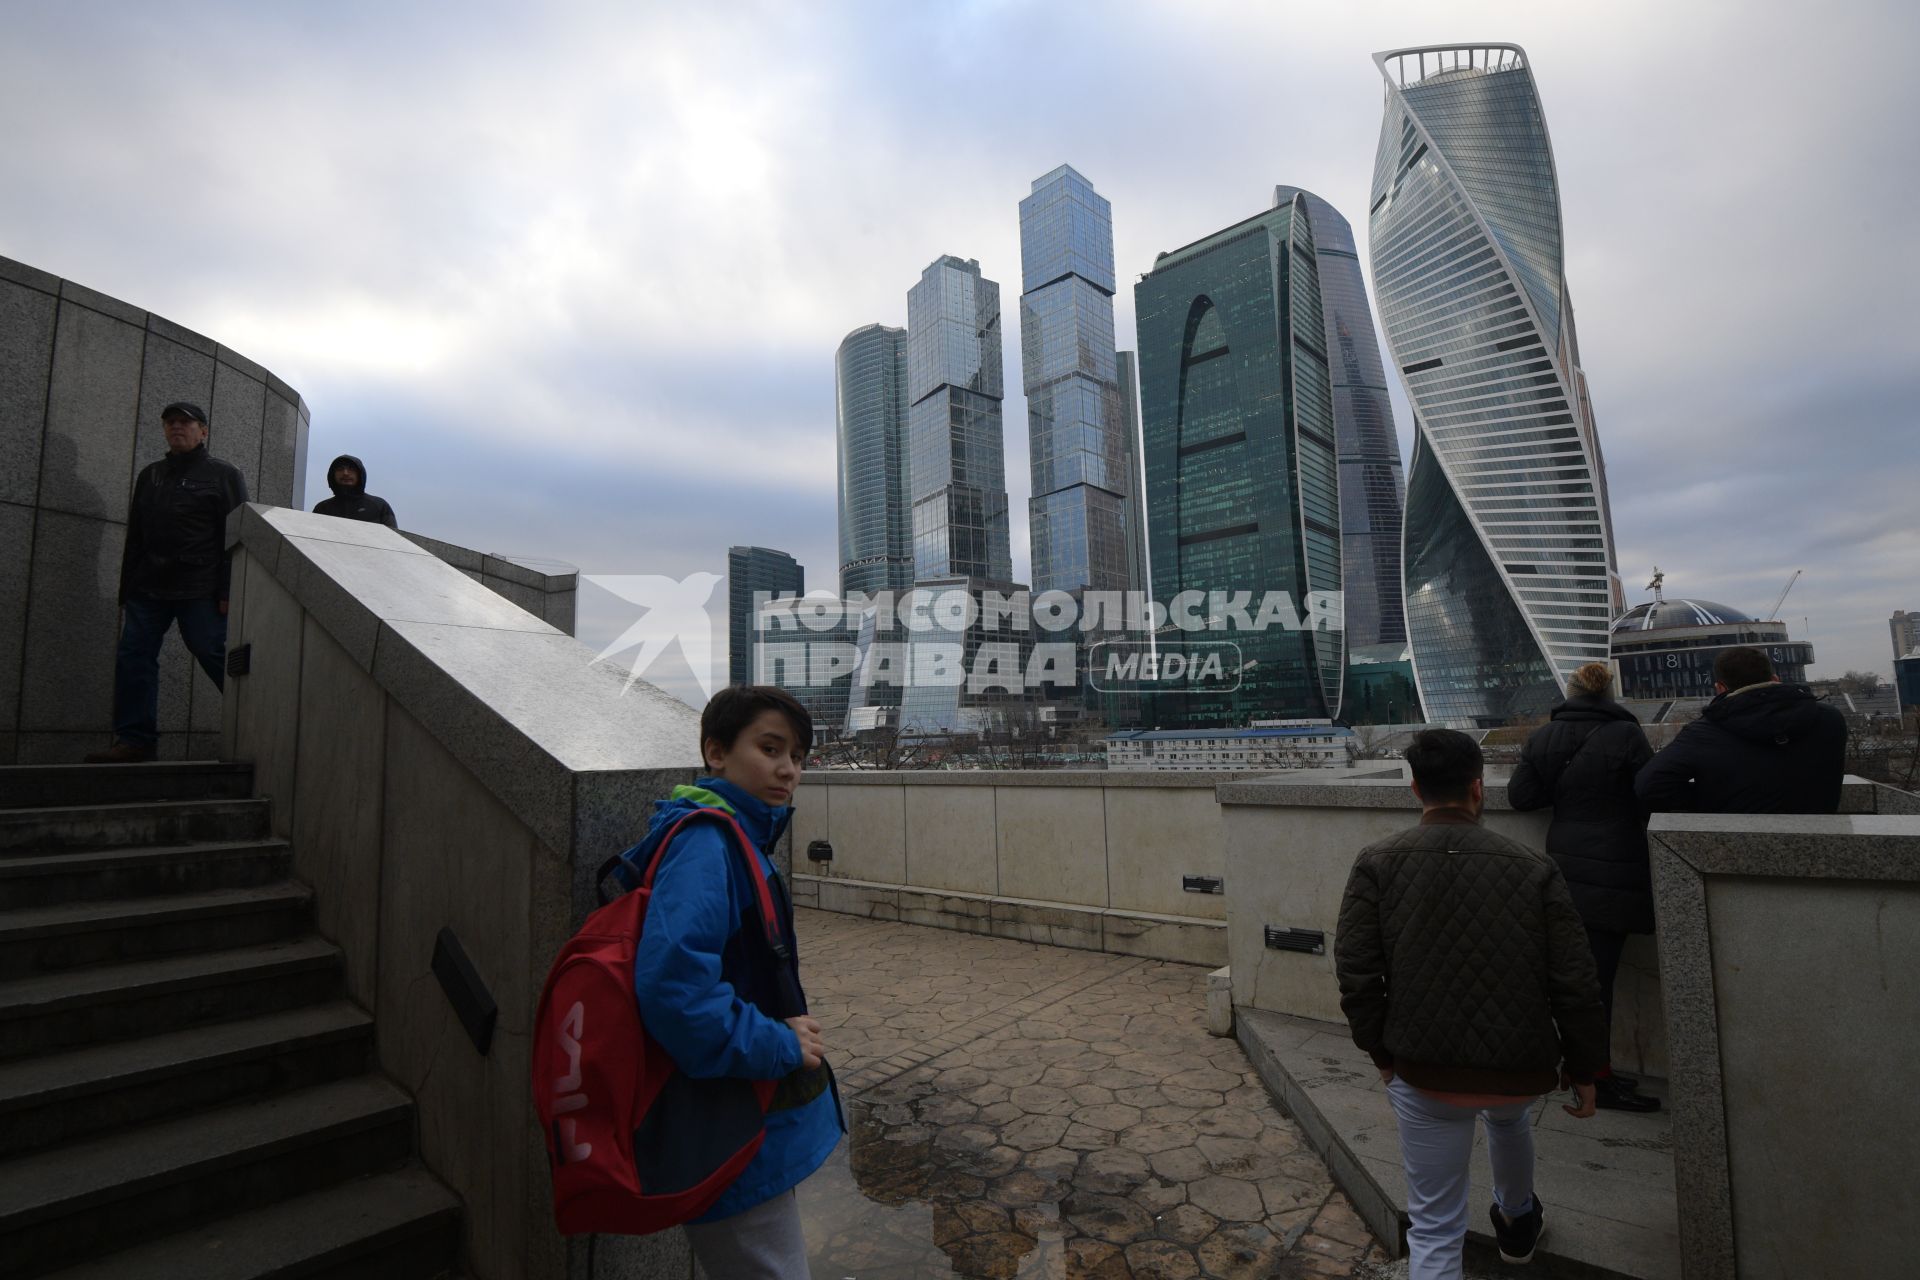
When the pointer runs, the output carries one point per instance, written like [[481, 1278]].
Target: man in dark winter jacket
[[173, 569], [347, 477], [1465, 973], [1759, 747]]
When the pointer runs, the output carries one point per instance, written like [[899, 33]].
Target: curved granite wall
[[82, 381]]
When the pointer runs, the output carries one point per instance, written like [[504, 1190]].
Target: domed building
[[1665, 648]]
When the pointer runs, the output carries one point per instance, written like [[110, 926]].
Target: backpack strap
[[762, 892]]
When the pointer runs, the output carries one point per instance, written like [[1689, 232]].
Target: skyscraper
[[1238, 431], [876, 530], [752, 569], [1078, 441], [957, 478], [1127, 366], [1510, 579], [1372, 490]]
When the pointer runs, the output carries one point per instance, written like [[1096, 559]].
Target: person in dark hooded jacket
[[1583, 762], [1759, 747], [347, 477]]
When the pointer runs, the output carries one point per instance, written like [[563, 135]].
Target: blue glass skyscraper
[[1510, 579], [1081, 511], [870, 386], [957, 474]]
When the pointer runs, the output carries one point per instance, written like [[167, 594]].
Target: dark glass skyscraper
[[1372, 490], [1078, 442], [752, 569], [876, 531], [1238, 428], [957, 477], [1510, 578], [1127, 368]]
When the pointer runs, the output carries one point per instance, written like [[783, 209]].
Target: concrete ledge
[[1181, 939], [1607, 1182], [1027, 778]]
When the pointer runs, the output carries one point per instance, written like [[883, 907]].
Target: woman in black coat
[[1583, 763]]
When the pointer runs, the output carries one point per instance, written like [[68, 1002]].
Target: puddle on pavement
[[895, 1204], [919, 1189]]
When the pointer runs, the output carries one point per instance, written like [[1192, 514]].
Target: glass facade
[[870, 388], [956, 456], [752, 569], [1079, 444], [1373, 491], [1242, 484], [1510, 581]]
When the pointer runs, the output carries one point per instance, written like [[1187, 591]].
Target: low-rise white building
[[1265, 744]]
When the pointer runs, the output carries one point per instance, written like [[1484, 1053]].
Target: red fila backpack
[[636, 1146]]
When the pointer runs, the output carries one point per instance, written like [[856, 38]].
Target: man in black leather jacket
[[174, 569], [1759, 747]]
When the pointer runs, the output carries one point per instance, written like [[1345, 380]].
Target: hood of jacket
[[1585, 706], [342, 490], [764, 823], [1774, 714]]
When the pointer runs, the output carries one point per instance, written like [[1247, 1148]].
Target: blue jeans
[[136, 669], [1436, 1148]]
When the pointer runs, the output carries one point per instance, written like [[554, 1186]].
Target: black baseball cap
[[183, 409]]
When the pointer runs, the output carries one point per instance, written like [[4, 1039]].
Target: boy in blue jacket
[[715, 994]]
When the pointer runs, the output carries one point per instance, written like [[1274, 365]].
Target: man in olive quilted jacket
[[1465, 973]]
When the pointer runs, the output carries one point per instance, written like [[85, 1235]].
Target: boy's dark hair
[[1444, 762], [731, 710], [1740, 666]]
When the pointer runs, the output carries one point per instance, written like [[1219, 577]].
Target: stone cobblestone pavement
[[1020, 1110]]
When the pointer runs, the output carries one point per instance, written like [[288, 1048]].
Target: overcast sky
[[570, 277]]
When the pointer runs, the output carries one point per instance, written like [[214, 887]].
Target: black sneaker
[[1518, 1237], [1610, 1093]]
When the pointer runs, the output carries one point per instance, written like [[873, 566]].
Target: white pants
[[1436, 1147], [764, 1243]]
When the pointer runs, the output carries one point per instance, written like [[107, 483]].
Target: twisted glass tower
[[1510, 581]]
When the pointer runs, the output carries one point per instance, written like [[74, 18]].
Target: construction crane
[[1783, 592]]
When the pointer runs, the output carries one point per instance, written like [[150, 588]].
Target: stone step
[[71, 934], [63, 1097], [39, 785], [45, 1012], [105, 874], [402, 1225], [146, 822], [79, 1201]]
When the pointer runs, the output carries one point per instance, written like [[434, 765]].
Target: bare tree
[[1865, 683]]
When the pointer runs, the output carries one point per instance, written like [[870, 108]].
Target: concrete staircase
[[185, 1091]]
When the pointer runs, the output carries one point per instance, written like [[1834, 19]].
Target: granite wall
[[441, 759], [1790, 945], [1075, 858], [82, 380]]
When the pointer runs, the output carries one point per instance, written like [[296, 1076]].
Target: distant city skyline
[[567, 329]]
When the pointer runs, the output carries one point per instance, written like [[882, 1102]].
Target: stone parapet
[[1789, 945], [443, 760]]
